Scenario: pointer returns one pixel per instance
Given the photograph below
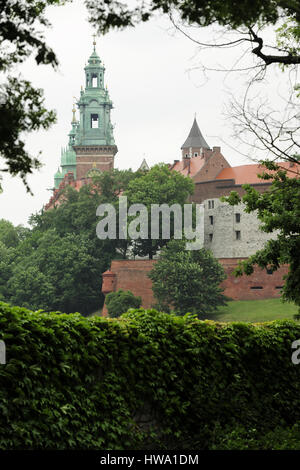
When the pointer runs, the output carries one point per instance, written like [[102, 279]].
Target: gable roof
[[193, 165]]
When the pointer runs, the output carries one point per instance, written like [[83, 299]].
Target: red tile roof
[[193, 165], [248, 173]]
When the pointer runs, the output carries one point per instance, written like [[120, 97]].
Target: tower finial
[[94, 42], [195, 115], [74, 110]]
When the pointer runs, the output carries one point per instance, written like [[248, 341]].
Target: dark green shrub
[[146, 380], [119, 302]]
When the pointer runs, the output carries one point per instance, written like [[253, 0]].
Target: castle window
[[269, 271], [94, 121], [237, 218], [211, 237], [211, 219], [211, 204], [195, 154], [237, 234], [256, 287]]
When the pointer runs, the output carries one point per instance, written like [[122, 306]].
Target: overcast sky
[[154, 92]]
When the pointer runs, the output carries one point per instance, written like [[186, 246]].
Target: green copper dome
[[94, 59]]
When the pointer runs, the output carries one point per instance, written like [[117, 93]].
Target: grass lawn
[[249, 311], [255, 311]]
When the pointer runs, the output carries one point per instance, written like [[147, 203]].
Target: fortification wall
[[133, 275]]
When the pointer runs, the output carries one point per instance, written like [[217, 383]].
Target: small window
[[237, 218], [256, 287], [211, 219], [211, 237], [279, 287], [270, 271], [195, 154], [237, 234], [211, 204], [94, 121]]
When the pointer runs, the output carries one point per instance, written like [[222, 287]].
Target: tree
[[6, 259], [110, 184], [159, 186], [235, 16], [21, 105], [119, 302], [30, 288], [11, 236], [187, 281], [279, 210], [67, 267]]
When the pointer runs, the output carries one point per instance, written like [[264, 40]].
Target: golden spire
[[74, 111]]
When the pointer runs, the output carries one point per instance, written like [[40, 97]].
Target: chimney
[[186, 162]]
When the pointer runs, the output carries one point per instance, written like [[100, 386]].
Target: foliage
[[204, 12], [58, 263], [120, 301], [278, 209], [21, 110], [235, 16], [21, 105], [147, 380], [113, 183], [187, 280], [60, 273], [11, 236], [61, 254], [281, 438], [159, 185]]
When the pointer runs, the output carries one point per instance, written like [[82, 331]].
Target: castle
[[229, 232]]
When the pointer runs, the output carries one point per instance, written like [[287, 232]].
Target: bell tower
[[94, 141]]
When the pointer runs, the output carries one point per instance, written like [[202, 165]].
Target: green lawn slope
[[255, 311]]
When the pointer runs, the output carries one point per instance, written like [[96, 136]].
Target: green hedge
[[147, 380]]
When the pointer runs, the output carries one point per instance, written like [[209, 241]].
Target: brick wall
[[132, 275], [217, 188], [260, 285], [215, 162]]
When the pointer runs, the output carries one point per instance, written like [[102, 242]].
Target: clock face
[[93, 172]]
